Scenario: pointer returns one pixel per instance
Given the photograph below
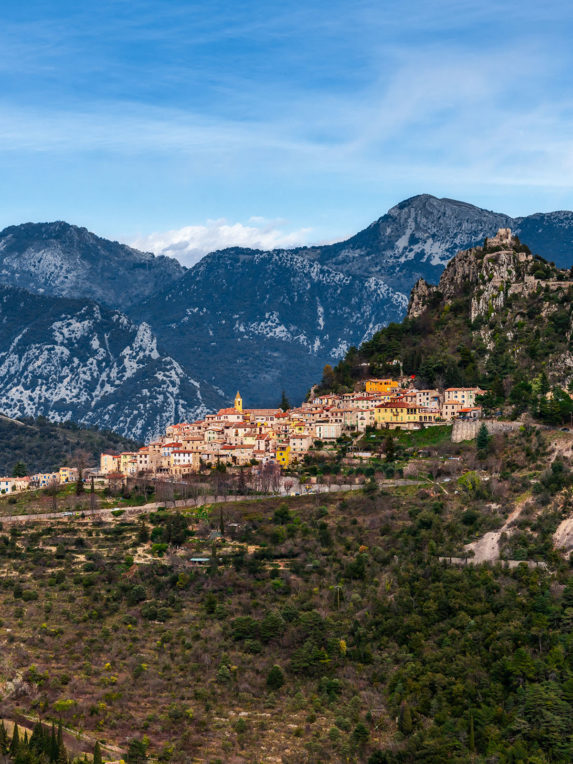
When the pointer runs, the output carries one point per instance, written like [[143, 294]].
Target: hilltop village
[[239, 437]]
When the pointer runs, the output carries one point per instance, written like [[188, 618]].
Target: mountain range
[[98, 332]]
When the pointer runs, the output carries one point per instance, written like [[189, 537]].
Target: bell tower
[[238, 403]]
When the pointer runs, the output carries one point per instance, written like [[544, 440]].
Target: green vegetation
[[38, 445], [309, 629], [515, 351]]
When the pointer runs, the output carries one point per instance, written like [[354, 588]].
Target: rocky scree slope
[[63, 260], [73, 359], [499, 317], [266, 321]]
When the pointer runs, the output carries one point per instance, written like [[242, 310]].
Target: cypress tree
[[53, 747], [4, 740], [97, 754], [15, 742], [62, 756], [405, 720], [37, 738]]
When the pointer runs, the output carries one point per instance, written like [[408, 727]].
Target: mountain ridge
[[63, 260], [260, 320]]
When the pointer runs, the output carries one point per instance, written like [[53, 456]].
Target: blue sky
[[192, 125]]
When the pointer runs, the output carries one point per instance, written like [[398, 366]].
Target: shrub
[[275, 678]]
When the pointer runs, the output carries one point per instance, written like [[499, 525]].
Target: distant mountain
[[416, 238], [63, 260], [266, 321], [240, 318], [73, 359]]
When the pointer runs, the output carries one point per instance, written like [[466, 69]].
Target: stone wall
[[463, 430]]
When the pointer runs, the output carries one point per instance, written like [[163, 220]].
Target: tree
[[328, 378], [360, 735], [405, 719], [4, 740], [97, 754], [482, 441], [389, 448], [275, 678], [15, 742], [80, 460], [284, 404], [136, 752], [19, 469]]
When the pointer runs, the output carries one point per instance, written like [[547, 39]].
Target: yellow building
[[68, 474], [397, 414], [283, 455], [109, 463], [383, 386], [238, 403]]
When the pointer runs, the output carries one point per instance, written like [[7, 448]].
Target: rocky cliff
[[500, 317]]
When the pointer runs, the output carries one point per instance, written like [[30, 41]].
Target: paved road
[[107, 513]]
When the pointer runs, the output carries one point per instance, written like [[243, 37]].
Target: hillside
[[500, 317], [44, 446], [322, 628]]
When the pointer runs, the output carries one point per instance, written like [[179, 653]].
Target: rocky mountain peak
[[64, 260], [489, 275]]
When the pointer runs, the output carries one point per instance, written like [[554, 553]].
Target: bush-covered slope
[[43, 446], [323, 628]]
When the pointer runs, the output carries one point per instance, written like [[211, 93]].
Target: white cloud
[[191, 243]]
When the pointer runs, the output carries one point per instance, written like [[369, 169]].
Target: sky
[[183, 127]]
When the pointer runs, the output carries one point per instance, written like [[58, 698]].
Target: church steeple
[[238, 403]]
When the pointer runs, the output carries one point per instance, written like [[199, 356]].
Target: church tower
[[238, 403]]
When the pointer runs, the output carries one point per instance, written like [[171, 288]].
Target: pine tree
[[136, 752], [97, 754], [275, 678], [284, 404], [19, 469], [482, 441]]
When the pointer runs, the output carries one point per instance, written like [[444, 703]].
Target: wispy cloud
[[181, 114], [191, 243]]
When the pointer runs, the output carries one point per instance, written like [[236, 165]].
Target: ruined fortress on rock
[[490, 274]]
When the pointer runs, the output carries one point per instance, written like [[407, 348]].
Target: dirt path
[[486, 549], [563, 536]]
